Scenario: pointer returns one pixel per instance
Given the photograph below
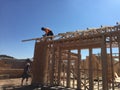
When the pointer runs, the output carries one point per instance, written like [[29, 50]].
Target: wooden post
[[104, 64], [90, 70], [98, 75], [68, 70], [53, 67], [79, 71], [64, 74], [112, 67], [119, 51], [59, 65]]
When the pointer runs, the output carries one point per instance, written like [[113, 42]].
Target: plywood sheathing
[[40, 63]]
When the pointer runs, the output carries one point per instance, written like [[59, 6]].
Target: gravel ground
[[10, 84], [15, 84]]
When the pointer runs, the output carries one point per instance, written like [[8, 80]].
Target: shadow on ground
[[34, 87], [28, 87]]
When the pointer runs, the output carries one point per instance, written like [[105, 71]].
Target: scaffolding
[[57, 64]]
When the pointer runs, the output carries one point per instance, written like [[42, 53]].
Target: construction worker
[[26, 72], [47, 31]]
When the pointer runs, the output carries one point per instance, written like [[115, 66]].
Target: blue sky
[[22, 19]]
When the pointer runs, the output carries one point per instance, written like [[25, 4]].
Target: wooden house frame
[[55, 63]]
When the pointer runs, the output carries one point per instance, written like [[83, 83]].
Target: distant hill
[[6, 57]]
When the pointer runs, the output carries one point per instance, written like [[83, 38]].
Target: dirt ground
[[13, 84]]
